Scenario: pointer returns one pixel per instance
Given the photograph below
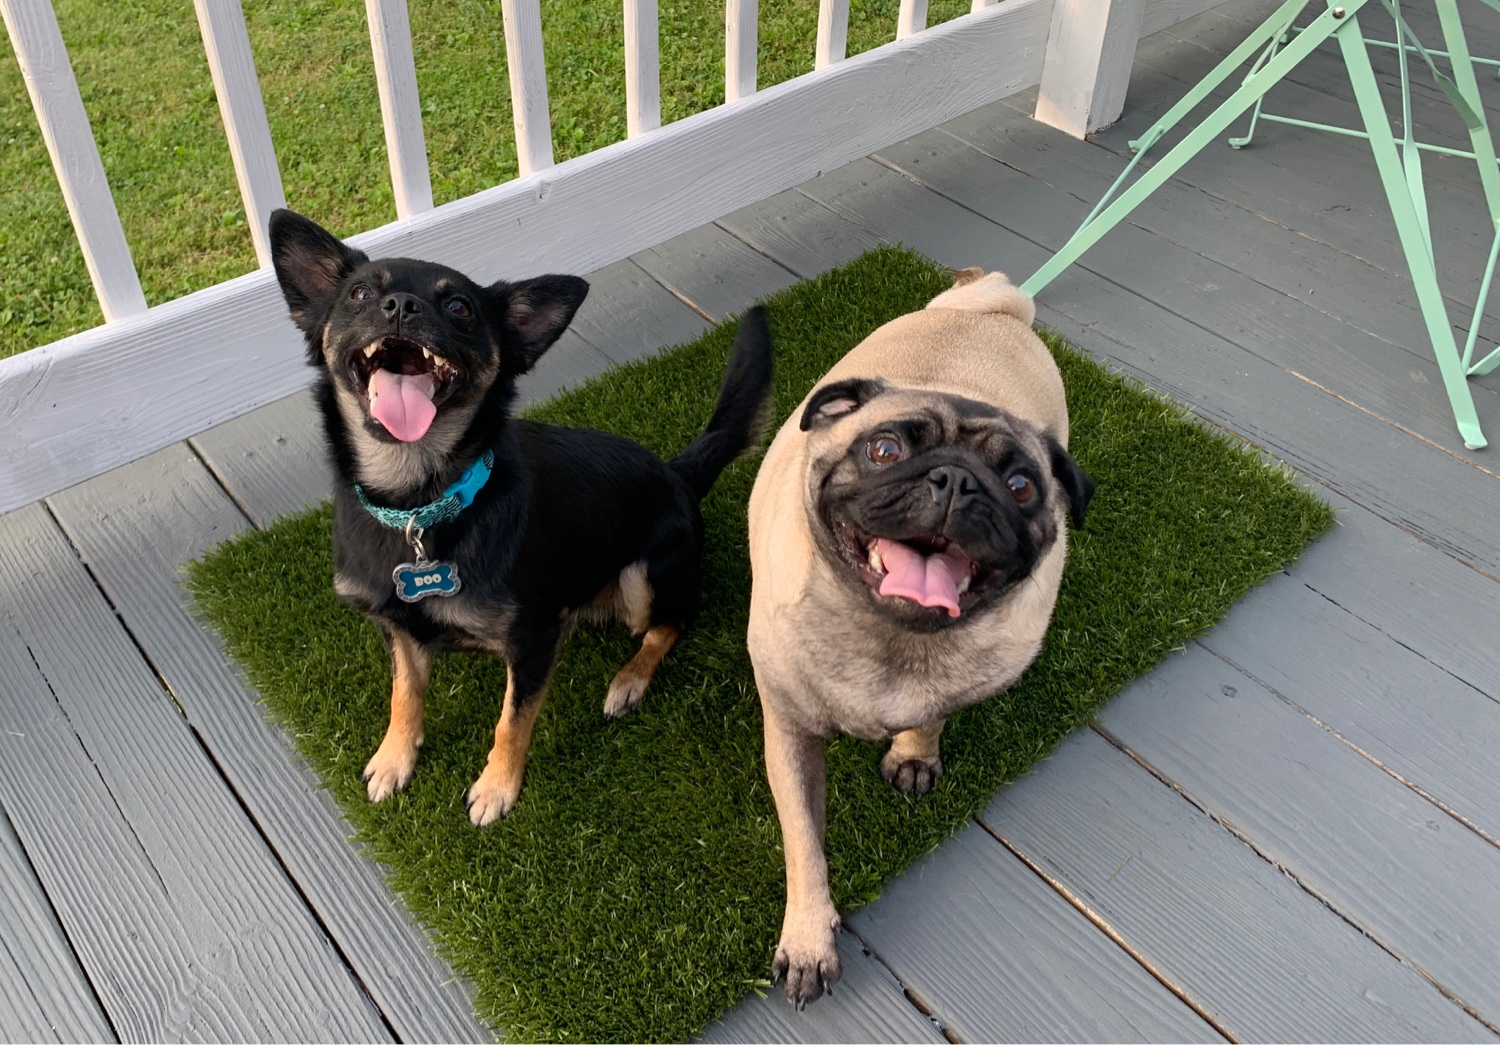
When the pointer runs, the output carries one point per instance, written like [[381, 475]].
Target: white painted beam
[[911, 19], [740, 38], [400, 106], [65, 127], [227, 44], [83, 405], [1089, 55], [528, 83], [833, 32], [642, 68]]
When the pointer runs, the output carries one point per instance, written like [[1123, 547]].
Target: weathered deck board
[[136, 527], [196, 932], [629, 316], [1415, 880], [1438, 608], [1285, 330], [714, 271], [275, 459], [1413, 716], [799, 233], [974, 934], [1268, 961], [867, 1006], [1391, 371], [44, 995]]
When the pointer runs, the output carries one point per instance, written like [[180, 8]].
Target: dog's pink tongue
[[401, 402], [929, 580]]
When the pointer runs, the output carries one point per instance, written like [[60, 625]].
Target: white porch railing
[[87, 403]]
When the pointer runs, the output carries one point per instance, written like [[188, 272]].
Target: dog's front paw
[[625, 693], [389, 770], [492, 796], [807, 957], [911, 776]]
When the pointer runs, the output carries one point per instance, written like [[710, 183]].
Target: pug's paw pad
[[911, 776], [807, 958], [625, 693], [491, 797], [389, 770]]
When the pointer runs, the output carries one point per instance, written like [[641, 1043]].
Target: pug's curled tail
[[741, 415], [974, 291]]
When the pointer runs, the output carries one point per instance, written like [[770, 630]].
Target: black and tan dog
[[907, 538], [458, 527]]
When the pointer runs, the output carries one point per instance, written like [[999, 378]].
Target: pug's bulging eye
[[1021, 487], [459, 307], [884, 449], [361, 293]]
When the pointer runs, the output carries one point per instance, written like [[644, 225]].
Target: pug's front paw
[[911, 776], [807, 956]]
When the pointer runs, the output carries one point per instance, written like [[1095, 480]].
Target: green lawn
[[146, 86], [636, 890]]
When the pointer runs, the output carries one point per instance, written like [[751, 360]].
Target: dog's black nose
[[401, 305], [952, 486]]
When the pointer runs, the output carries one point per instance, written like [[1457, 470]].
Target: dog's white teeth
[[876, 562], [963, 585], [369, 351], [439, 360], [426, 354]]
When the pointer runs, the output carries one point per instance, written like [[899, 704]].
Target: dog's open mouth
[[403, 382], [930, 571]]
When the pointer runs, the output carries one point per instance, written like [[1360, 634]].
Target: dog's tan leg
[[629, 685], [395, 760], [807, 955], [495, 793], [913, 764]]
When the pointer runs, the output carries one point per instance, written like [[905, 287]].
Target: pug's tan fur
[[825, 660]]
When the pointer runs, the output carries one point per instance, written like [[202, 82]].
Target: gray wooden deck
[[1289, 831]]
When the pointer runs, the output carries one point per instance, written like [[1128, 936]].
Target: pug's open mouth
[[931, 571], [403, 383]]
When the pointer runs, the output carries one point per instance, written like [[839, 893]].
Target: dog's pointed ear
[[534, 313], [310, 263], [1073, 479], [839, 399]]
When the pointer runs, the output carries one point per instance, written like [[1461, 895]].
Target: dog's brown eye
[[361, 293], [884, 449], [1021, 487], [459, 307]]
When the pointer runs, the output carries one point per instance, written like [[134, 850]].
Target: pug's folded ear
[[1073, 479], [839, 399]]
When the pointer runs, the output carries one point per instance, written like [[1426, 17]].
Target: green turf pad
[[636, 890]]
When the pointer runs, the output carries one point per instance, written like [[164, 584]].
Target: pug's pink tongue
[[403, 403], [928, 580]]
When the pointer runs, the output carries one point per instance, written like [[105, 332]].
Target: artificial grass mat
[[636, 891]]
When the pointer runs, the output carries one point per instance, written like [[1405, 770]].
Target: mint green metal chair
[[1281, 47]]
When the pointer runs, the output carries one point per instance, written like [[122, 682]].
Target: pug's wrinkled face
[[933, 505]]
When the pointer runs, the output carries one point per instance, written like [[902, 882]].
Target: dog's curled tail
[[974, 291], [742, 414]]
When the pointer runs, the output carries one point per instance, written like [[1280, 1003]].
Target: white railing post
[[642, 68], [400, 106], [227, 44], [1087, 69], [740, 27], [75, 156], [833, 32], [912, 18], [528, 83], [980, 5]]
